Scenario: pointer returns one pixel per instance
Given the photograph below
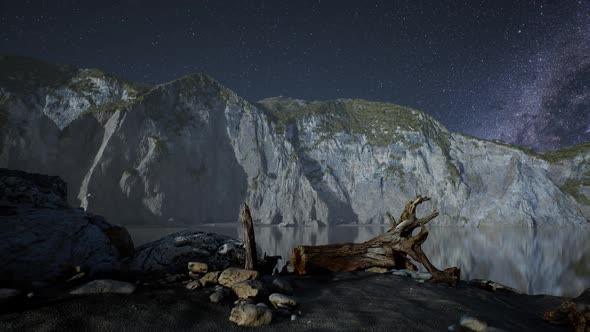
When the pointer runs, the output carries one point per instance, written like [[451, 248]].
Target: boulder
[[248, 289], [197, 267], [232, 276], [211, 278], [34, 190], [283, 286], [282, 301], [38, 229], [103, 286], [250, 315], [170, 254]]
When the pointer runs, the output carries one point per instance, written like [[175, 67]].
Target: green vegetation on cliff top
[[377, 121], [573, 186], [565, 153]]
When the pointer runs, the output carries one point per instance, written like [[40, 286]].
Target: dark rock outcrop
[[43, 240], [171, 254]]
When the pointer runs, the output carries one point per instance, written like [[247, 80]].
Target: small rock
[[246, 314], [218, 295], [8, 294], [405, 273], [282, 301], [424, 275], [400, 273], [195, 284], [262, 305], [30, 295], [282, 286], [376, 269], [473, 324], [293, 317], [193, 275], [232, 276], [248, 289], [102, 286], [210, 278], [198, 267]]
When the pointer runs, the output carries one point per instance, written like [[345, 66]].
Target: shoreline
[[341, 301]]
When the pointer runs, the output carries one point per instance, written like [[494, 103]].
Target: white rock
[[473, 324], [198, 267], [233, 275], [195, 284], [282, 301], [250, 315], [248, 289]]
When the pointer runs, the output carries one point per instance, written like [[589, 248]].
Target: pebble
[[282, 301], [195, 284], [377, 270], [473, 324], [400, 273], [198, 267], [424, 275]]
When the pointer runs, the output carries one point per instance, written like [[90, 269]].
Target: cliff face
[[191, 151]]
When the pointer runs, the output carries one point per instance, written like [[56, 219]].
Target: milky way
[[546, 100]]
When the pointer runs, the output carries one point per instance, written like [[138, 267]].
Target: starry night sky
[[485, 68]]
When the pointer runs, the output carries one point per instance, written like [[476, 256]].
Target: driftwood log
[[574, 313], [389, 250], [249, 239]]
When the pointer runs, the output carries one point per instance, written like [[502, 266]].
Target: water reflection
[[537, 261]]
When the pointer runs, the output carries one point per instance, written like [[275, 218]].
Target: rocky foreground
[[340, 302], [62, 268]]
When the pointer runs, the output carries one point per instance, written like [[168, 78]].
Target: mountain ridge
[[191, 151]]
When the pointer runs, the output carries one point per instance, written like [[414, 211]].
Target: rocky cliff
[[189, 151]]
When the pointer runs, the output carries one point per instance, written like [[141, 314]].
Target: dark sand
[[357, 301]]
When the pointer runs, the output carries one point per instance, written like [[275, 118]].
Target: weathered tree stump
[[389, 250], [249, 239], [574, 313]]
